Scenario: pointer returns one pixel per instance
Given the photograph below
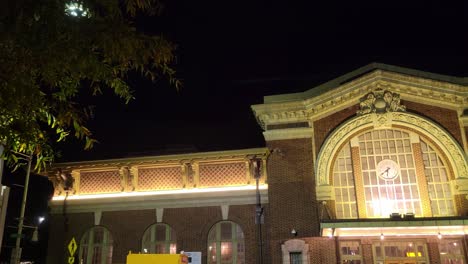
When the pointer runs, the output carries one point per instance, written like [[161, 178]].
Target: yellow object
[[156, 259]]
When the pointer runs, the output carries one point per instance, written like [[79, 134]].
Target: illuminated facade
[[368, 168]]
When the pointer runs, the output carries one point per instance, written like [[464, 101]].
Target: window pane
[[160, 239], [226, 244]]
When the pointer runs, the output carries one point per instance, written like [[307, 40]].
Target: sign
[[72, 249], [194, 257]]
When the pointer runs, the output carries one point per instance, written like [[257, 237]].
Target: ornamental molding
[[410, 88], [156, 161], [380, 101], [288, 133], [244, 197], [457, 158]]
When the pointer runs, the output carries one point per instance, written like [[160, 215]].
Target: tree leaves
[[47, 58]]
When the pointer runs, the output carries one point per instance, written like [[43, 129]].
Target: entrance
[[400, 262], [400, 252]]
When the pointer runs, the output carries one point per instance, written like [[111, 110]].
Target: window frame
[[89, 248], [170, 239]]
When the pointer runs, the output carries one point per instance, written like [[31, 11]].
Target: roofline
[[317, 90], [185, 156]]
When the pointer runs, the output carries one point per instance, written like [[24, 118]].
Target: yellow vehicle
[[156, 259]]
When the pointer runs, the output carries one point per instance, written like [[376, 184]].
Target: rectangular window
[[295, 258], [451, 251], [350, 252]]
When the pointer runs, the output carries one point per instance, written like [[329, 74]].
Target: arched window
[[159, 239], [226, 244], [387, 171], [96, 246]]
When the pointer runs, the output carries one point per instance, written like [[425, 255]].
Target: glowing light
[[145, 250], [75, 9], [138, 194], [383, 207], [382, 237], [41, 219], [439, 235]]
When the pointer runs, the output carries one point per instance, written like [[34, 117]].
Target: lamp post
[[256, 164], [16, 254]]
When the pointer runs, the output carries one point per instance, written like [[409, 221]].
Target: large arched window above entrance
[[96, 246], [385, 171], [226, 244], [159, 239]]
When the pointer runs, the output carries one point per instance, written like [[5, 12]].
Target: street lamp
[[256, 166]]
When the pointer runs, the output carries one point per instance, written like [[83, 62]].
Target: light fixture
[[41, 219], [382, 237], [35, 235], [439, 235], [294, 232]]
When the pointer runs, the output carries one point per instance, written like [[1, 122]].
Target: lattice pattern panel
[[100, 182], [160, 178], [223, 174]]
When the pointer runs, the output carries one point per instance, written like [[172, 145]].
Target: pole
[[257, 166], [17, 253], [259, 211]]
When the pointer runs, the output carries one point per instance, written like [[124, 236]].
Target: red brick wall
[[448, 119], [59, 238], [323, 127], [291, 193], [127, 227]]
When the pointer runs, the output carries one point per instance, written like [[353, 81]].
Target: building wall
[[291, 193], [324, 126], [127, 227], [447, 118]]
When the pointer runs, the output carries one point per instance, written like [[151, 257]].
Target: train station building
[[368, 168]]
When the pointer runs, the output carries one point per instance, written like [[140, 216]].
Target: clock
[[388, 169]]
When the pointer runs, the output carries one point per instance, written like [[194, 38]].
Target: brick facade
[[190, 224], [295, 133]]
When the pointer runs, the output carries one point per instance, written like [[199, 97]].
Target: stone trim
[[295, 245], [456, 156], [426, 91], [289, 133], [160, 201]]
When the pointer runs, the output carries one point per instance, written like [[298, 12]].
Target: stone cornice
[[98, 165], [410, 88], [160, 201], [288, 133]]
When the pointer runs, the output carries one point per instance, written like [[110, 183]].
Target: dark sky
[[232, 53]]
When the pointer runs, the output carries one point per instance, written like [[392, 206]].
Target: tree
[[52, 50]]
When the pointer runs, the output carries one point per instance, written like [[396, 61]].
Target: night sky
[[232, 53]]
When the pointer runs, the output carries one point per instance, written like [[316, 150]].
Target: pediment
[[342, 93]]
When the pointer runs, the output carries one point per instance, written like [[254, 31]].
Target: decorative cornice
[[289, 133], [149, 161], [421, 90], [196, 199]]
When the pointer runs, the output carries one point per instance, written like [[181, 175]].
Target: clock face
[[388, 169]]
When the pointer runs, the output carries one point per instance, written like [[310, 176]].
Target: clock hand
[[385, 171]]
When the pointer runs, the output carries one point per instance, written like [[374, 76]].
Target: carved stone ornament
[[63, 182], [380, 101]]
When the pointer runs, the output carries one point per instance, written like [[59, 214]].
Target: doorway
[[400, 251], [400, 262]]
